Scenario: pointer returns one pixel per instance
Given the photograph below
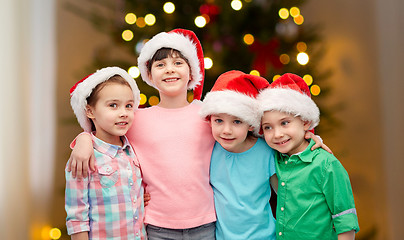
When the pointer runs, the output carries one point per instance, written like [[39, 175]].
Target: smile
[[121, 123], [282, 143], [170, 80]]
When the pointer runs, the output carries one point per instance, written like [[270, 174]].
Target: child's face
[[113, 112], [170, 75], [230, 132], [284, 132]]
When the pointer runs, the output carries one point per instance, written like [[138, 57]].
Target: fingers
[[92, 162], [73, 167], [79, 171], [316, 145], [325, 147]]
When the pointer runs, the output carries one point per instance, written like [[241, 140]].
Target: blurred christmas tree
[[265, 37]]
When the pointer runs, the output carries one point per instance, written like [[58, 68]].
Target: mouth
[[283, 142], [168, 80], [121, 123]]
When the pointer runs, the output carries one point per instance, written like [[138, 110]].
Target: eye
[[284, 123], [179, 62], [113, 105], [266, 128], [129, 105], [218, 120], [237, 121]]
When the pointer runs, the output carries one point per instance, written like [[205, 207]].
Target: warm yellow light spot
[[55, 233], [284, 58], [127, 35], [283, 13], [169, 7], [275, 77], [298, 20], [153, 100], [236, 5], [134, 71], [294, 12], [208, 63], [130, 18], [200, 21], [308, 79], [140, 22], [255, 73], [302, 58], [301, 46], [45, 232], [248, 39], [143, 99], [150, 19], [315, 90], [190, 97], [207, 18]]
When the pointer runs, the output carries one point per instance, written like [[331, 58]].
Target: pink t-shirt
[[174, 147]]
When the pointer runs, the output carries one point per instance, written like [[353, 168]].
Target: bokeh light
[[283, 13], [208, 63], [150, 19], [301, 46], [200, 21], [143, 99], [248, 39], [55, 233], [236, 5], [255, 73], [127, 35], [130, 18], [284, 58], [302, 58], [169, 7], [298, 20], [308, 79], [134, 72], [315, 90], [294, 11], [153, 100], [140, 22], [275, 77]]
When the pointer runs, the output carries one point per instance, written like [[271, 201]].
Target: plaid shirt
[[109, 203]]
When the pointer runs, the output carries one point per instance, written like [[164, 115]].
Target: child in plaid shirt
[[108, 204]]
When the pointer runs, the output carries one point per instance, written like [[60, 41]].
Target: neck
[[178, 101]]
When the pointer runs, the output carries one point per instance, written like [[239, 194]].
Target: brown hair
[[93, 98]]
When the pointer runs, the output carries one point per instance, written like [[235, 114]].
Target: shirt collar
[[109, 149], [306, 156]]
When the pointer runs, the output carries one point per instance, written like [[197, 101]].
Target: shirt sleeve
[[272, 169], [339, 197], [76, 204]]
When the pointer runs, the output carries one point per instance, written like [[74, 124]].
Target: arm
[[146, 198], [347, 235], [317, 139], [82, 156], [80, 236], [274, 182]]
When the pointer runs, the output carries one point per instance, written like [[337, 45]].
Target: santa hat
[[83, 88], [184, 41], [290, 94], [235, 93]]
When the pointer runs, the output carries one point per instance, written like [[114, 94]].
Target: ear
[[251, 128], [89, 112], [306, 125]]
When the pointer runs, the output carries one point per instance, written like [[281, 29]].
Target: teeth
[[171, 80], [121, 123]]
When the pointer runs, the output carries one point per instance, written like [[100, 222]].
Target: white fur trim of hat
[[289, 101], [178, 41], [82, 90]]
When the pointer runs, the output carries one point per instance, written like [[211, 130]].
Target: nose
[[123, 113], [278, 133], [227, 128], [169, 67]]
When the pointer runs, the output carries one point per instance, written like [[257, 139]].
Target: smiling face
[[170, 73], [284, 132], [230, 132], [113, 112]]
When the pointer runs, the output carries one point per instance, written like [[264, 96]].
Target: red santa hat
[[290, 94], [83, 88], [235, 93], [184, 41]]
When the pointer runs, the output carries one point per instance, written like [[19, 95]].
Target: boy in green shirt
[[315, 199]]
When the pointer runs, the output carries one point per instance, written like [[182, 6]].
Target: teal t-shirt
[[315, 199], [242, 191]]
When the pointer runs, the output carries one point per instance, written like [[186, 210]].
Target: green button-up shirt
[[315, 199]]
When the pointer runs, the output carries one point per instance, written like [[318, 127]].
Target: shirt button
[[131, 183], [280, 233], [282, 209], [134, 200], [283, 183], [135, 218], [286, 162]]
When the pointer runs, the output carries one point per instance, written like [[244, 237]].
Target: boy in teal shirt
[[315, 199]]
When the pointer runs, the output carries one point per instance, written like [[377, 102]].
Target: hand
[[146, 198], [318, 142], [81, 157]]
